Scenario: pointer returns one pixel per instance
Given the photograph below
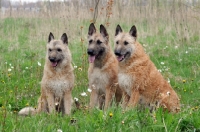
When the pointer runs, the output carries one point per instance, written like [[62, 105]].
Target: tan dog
[[58, 79], [138, 75], [103, 68]]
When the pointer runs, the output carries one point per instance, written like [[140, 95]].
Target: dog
[[57, 81], [138, 76], [103, 69]]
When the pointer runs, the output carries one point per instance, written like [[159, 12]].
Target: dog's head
[[97, 42], [125, 43], [57, 50]]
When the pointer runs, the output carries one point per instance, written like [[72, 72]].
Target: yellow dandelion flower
[[11, 91], [27, 104], [184, 81], [9, 75], [111, 114], [185, 90], [80, 69]]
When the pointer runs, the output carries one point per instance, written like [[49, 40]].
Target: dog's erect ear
[[64, 38], [118, 30], [103, 31], [51, 37], [92, 29], [133, 31]]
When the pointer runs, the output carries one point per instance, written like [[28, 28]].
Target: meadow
[[169, 32]]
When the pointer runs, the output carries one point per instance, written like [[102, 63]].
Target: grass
[[174, 52]]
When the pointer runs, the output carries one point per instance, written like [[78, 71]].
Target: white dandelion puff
[[26, 67], [75, 67], [186, 52], [9, 69], [39, 64], [89, 90], [162, 63], [12, 67], [76, 99], [83, 94], [159, 70], [59, 130]]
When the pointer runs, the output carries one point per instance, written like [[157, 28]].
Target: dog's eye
[[50, 50], [125, 43], [90, 41], [117, 42], [59, 50], [99, 42]]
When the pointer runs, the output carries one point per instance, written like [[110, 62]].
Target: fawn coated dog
[[139, 77]]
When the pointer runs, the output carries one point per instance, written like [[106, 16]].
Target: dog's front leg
[[42, 104], [94, 98], [67, 102], [109, 94], [51, 102], [134, 98]]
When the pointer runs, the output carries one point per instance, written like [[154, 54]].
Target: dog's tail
[[27, 111]]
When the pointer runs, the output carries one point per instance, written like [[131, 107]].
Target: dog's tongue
[[120, 58], [91, 59], [54, 64]]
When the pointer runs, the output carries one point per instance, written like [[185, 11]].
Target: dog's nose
[[52, 59], [117, 53], [90, 52]]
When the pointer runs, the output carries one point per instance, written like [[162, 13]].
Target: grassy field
[[169, 34]]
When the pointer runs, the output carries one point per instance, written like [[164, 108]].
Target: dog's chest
[[125, 82], [57, 86], [98, 79]]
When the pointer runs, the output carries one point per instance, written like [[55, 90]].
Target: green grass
[[22, 46]]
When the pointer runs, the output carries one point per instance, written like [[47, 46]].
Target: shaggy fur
[[103, 69], [139, 77], [58, 79]]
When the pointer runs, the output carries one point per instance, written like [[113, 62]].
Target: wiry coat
[[139, 77], [103, 69]]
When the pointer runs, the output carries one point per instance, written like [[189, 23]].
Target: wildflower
[[93, 86], [168, 93], [176, 47], [186, 52], [162, 63], [39, 64], [75, 67], [9, 69], [83, 94], [10, 64], [12, 67], [27, 104], [122, 122], [5, 62], [184, 81], [89, 90], [11, 91], [168, 80], [9, 75], [80, 69], [59, 130], [76, 99], [185, 90], [26, 67], [91, 9], [111, 114], [159, 70]]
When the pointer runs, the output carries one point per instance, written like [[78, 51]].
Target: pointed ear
[[118, 30], [103, 31], [64, 38], [92, 29], [51, 37], [133, 31]]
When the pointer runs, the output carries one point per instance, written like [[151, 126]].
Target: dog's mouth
[[121, 57], [54, 64], [92, 58]]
